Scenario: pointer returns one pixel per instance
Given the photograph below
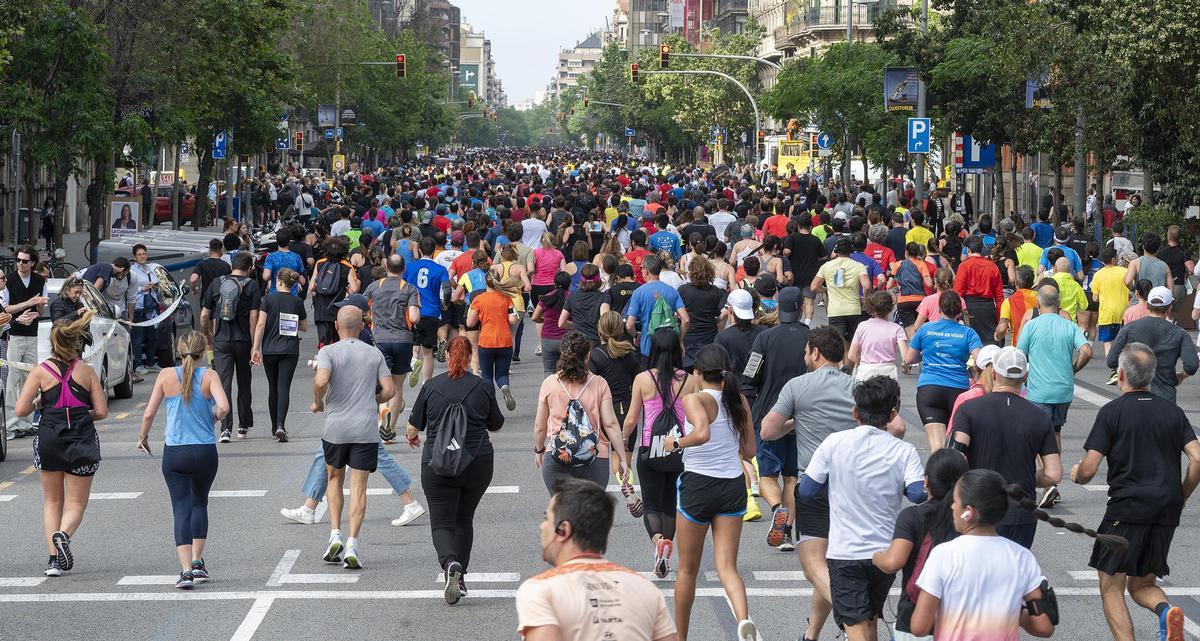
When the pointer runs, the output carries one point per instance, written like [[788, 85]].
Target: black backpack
[[329, 278], [448, 455], [666, 423]]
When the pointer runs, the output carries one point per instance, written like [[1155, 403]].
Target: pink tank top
[[654, 407], [545, 265]]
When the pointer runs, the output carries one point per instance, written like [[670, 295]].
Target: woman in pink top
[[547, 261], [878, 341], [929, 311]]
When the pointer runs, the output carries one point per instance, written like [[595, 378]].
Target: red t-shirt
[[442, 223], [635, 258], [776, 226]]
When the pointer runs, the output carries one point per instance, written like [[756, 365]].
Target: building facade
[[576, 61]]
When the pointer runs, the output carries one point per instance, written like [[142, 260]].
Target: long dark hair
[[666, 357], [712, 364], [573, 357], [942, 471], [558, 297]]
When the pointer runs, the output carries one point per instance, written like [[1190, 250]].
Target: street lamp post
[[920, 171]]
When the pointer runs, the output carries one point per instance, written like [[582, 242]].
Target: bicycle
[[59, 268]]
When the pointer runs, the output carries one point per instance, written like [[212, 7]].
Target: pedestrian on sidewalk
[[144, 281], [25, 298]]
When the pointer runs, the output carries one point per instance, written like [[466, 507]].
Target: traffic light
[[812, 145], [664, 56], [762, 135], [401, 66], [633, 72], [470, 101], [585, 101], [300, 141]]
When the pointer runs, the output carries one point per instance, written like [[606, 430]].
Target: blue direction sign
[[977, 157], [630, 132], [824, 140], [918, 135], [339, 134], [220, 142], [328, 134], [283, 143]]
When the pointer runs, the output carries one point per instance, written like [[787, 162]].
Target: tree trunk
[[998, 190], [1057, 200], [60, 213], [1147, 186], [1012, 174], [206, 168]]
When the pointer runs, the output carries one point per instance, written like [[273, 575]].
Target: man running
[[428, 277], [347, 374], [1170, 343], [1142, 436], [395, 309]]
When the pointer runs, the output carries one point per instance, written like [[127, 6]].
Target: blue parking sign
[[918, 135]]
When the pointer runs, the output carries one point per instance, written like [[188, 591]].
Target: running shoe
[[334, 553], [1170, 625], [439, 352], [1112, 378], [135, 378], [753, 512], [747, 631], [415, 376], [62, 544], [242, 431], [1049, 498], [778, 526], [226, 436], [199, 571], [186, 581], [509, 401], [462, 586], [662, 557], [350, 561], [516, 359], [537, 351], [53, 568], [300, 515], [411, 512], [786, 545], [387, 433], [140, 370], [454, 574], [281, 434]]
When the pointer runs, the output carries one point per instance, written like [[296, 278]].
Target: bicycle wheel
[[62, 270], [89, 252]]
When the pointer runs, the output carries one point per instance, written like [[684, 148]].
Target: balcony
[[821, 24]]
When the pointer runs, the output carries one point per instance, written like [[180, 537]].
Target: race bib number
[[289, 324]]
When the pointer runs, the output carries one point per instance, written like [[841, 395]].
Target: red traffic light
[[401, 66], [633, 72]]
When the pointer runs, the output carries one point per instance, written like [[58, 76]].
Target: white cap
[[1010, 362], [742, 303], [986, 356], [1160, 297]]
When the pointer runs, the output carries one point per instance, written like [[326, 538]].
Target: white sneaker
[[299, 515], [747, 631], [139, 370], [411, 512], [351, 561]]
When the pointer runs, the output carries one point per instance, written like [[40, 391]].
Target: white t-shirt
[[720, 221], [339, 227], [865, 487], [981, 582]]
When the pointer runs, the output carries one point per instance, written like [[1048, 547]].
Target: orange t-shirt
[[493, 308]]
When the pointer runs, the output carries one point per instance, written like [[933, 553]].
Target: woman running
[[659, 390], [571, 384], [195, 399], [725, 273], [943, 348], [546, 315], [66, 449], [617, 363], [492, 311], [470, 285], [512, 279], [582, 310], [712, 489], [929, 309], [547, 261], [580, 251], [705, 303], [277, 346], [454, 494], [918, 529], [878, 342]]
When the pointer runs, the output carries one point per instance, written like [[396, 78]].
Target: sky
[[527, 34]]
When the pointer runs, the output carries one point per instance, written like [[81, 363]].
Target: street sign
[[339, 163], [824, 153], [184, 152], [900, 86], [630, 132], [283, 144], [977, 157], [328, 134], [339, 133], [918, 135], [824, 140], [219, 142]]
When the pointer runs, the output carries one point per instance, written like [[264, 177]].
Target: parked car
[[162, 202], [111, 357]]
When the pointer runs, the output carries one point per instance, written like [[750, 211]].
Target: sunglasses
[[24, 261]]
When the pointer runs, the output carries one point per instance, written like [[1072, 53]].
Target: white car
[[109, 353]]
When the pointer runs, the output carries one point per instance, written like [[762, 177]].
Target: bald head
[[349, 321], [1062, 265], [1047, 297]]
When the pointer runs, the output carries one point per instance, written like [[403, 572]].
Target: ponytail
[[1113, 542], [191, 347], [712, 363]]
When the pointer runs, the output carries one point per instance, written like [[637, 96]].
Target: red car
[[162, 203]]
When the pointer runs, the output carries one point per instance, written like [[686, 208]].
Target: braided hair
[[1111, 541]]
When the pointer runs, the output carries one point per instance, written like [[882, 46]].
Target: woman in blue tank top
[[194, 399]]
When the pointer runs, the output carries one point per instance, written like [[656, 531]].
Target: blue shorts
[[398, 357], [778, 456], [1108, 333], [1058, 413]]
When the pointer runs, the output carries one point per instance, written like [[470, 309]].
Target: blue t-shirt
[[641, 304], [667, 242], [945, 347], [1050, 342], [283, 260], [375, 226], [1071, 254], [1043, 234], [873, 269], [428, 277]]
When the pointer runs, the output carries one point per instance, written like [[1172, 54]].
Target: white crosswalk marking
[[106, 496], [4, 498], [1083, 575], [1089, 396], [484, 577], [318, 578], [148, 579], [504, 489], [1096, 488], [778, 575], [235, 494], [22, 582], [649, 576]]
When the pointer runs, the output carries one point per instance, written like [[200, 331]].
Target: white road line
[[503, 489], [711, 576], [485, 577], [1087, 395], [778, 575], [495, 489], [649, 576], [617, 488], [102, 496], [1191, 628], [1083, 575], [4, 498], [285, 566], [254, 618], [235, 494], [318, 578], [22, 582], [149, 579]]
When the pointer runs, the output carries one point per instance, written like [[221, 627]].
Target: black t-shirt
[[1142, 436], [619, 295], [703, 308], [1079, 243], [585, 312], [782, 350], [1007, 433], [209, 269], [239, 329], [806, 252], [704, 229], [1176, 260], [738, 342], [282, 333], [305, 253], [910, 526], [618, 372], [478, 399], [895, 241]]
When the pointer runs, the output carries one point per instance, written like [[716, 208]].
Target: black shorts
[[1146, 554], [906, 313], [398, 357], [812, 516], [934, 403], [356, 456], [425, 332], [859, 590], [846, 324], [699, 498], [458, 315]]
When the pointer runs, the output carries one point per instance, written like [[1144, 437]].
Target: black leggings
[[232, 360], [189, 471], [658, 499], [326, 332], [280, 368], [452, 502]]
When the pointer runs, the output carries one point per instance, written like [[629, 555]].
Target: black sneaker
[[53, 568], [454, 573], [281, 434], [199, 571], [1050, 497], [516, 359], [186, 581], [62, 544], [226, 436], [439, 352], [242, 431]]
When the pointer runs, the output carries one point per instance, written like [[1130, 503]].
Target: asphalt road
[[269, 582]]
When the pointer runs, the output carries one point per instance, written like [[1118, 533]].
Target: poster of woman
[[124, 217]]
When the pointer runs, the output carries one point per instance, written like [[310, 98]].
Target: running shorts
[[777, 457], [934, 403], [425, 332], [906, 313], [859, 590], [1145, 554], [1108, 333], [356, 456], [398, 357], [700, 498], [812, 516]]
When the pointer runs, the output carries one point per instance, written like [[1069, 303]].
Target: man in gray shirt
[[344, 388], [815, 405], [395, 305], [1170, 343]]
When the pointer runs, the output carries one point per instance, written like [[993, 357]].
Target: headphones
[[966, 515]]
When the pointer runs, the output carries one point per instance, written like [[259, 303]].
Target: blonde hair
[[612, 334], [191, 347], [547, 240], [66, 337], [287, 278]]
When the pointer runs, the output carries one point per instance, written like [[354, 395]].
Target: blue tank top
[[404, 248], [575, 278], [478, 280], [190, 423]]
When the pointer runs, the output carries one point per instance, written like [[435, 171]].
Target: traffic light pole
[[764, 61], [749, 96]]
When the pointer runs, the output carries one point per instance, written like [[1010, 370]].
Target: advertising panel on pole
[[326, 115], [676, 14], [1037, 92], [900, 86], [349, 115]]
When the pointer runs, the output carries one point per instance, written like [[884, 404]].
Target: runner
[[943, 348], [66, 448], [878, 343], [846, 280], [1112, 299], [1141, 435], [427, 276], [281, 319], [334, 278], [617, 362], [705, 303], [912, 279], [586, 596], [229, 309], [546, 261], [395, 309], [452, 407], [348, 372], [1170, 343], [654, 304], [978, 281], [738, 341], [194, 398], [493, 312], [716, 439], [546, 314], [1012, 310], [581, 312], [513, 277]]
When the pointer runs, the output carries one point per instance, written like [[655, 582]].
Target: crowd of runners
[[706, 339]]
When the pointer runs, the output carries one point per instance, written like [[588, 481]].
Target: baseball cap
[[986, 356], [1010, 362], [1160, 297], [742, 303], [790, 304], [357, 300], [457, 237]]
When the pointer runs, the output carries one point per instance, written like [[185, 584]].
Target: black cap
[[790, 304]]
